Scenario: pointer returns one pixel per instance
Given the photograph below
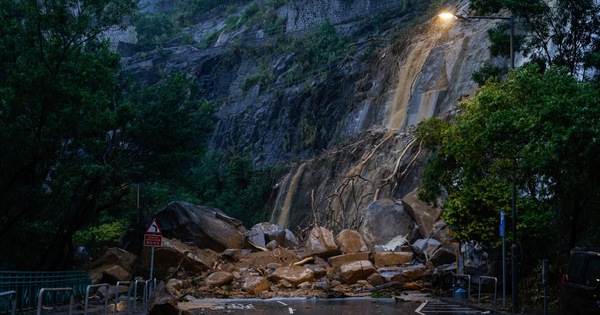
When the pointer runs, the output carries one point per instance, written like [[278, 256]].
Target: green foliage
[[558, 32], [314, 52], [536, 129], [55, 170], [187, 12], [485, 73], [107, 234], [236, 187], [153, 30], [500, 41]]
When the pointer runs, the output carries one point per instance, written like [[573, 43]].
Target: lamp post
[[448, 15]]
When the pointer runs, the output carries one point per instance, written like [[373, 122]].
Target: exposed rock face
[[203, 226], [383, 220], [305, 14]]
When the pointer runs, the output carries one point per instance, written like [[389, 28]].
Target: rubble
[[323, 266]]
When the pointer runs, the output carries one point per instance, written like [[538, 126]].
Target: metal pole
[[515, 296], [152, 262], [512, 42], [504, 272]]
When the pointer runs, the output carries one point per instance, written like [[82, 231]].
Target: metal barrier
[[27, 284], [495, 287], [468, 281], [87, 297], [149, 286], [41, 297], [12, 300], [127, 308]]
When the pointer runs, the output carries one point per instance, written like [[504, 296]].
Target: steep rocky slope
[[342, 130]]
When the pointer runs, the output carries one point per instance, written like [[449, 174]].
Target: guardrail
[[12, 300], [87, 297], [27, 284], [41, 297], [495, 287]]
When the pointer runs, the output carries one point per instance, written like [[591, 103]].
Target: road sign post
[[153, 238], [502, 234]]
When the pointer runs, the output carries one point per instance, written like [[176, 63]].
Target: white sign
[[153, 228]]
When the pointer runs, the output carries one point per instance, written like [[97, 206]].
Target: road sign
[[152, 240], [502, 223], [153, 228]]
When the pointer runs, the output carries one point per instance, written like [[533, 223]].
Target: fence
[[27, 285]]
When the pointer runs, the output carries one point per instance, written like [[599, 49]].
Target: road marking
[[291, 310], [438, 307]]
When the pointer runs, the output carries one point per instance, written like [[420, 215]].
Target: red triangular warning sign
[[153, 228]]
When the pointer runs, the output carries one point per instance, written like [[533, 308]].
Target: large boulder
[[261, 260], [336, 262], [205, 227], [383, 220], [174, 253], [321, 243], [114, 265], [423, 213], [427, 246], [384, 259], [262, 234], [162, 302], [351, 242], [352, 272]]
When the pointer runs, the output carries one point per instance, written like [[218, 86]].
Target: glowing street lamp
[[449, 15]]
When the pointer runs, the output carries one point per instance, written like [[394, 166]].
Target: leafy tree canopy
[[563, 32], [538, 129], [74, 137]]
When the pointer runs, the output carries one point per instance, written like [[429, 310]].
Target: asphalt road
[[361, 306]]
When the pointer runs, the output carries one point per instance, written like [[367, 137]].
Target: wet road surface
[[362, 306]]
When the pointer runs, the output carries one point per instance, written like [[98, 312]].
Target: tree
[[558, 32], [74, 137], [537, 129]]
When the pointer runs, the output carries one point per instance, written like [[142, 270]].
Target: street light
[[448, 15]]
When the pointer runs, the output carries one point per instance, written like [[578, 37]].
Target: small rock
[[256, 284], [219, 278], [375, 279], [293, 274]]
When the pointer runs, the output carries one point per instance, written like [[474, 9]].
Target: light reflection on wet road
[[362, 306]]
